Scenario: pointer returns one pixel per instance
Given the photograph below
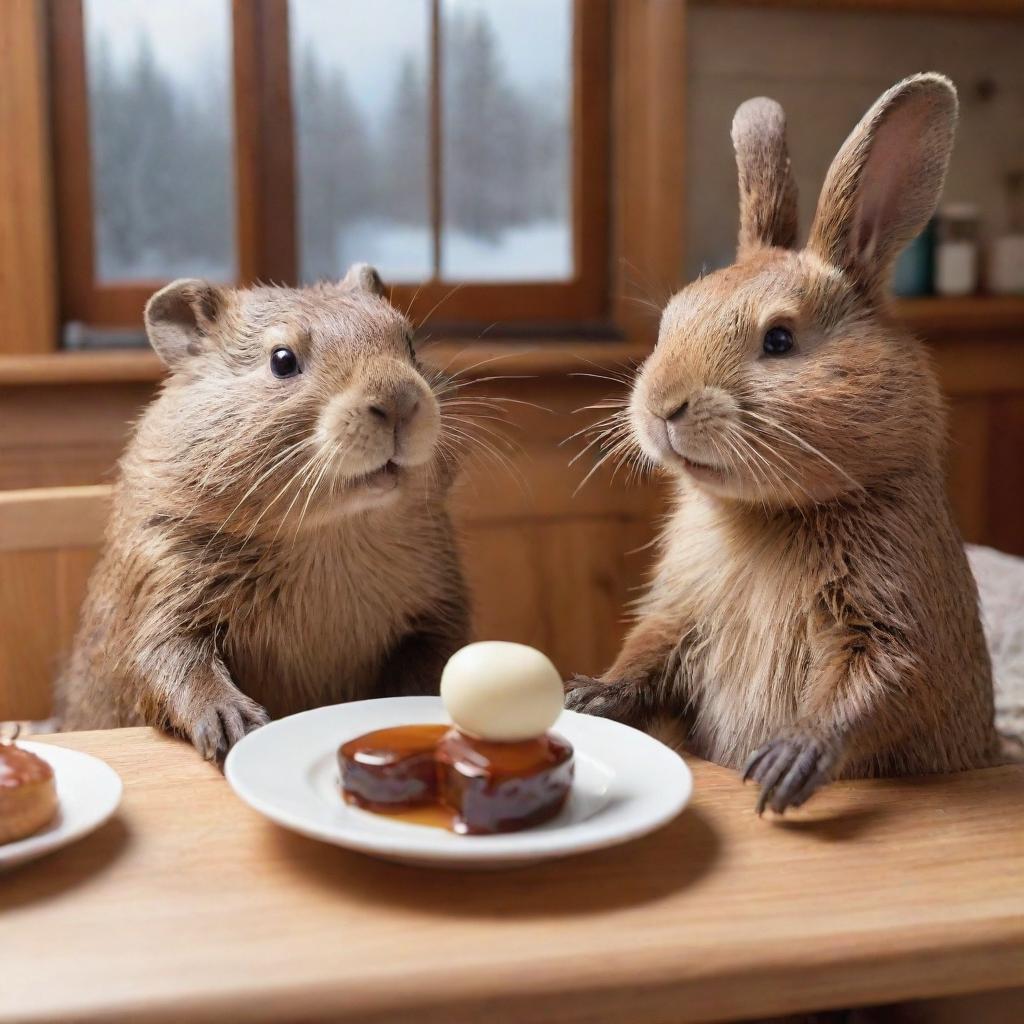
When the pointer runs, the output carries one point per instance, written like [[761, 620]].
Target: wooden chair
[[49, 542]]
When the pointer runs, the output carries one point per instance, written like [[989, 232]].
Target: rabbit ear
[[767, 188], [886, 180]]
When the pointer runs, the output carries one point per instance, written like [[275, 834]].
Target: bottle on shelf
[[913, 274], [1006, 258], [956, 251]]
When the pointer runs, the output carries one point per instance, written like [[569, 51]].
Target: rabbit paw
[[790, 769], [616, 700], [223, 722]]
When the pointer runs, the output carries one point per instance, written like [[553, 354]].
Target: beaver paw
[[222, 723], [617, 700], [790, 769]]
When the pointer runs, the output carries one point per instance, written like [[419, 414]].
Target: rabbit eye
[[283, 362], [777, 341]]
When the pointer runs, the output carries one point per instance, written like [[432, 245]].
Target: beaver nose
[[395, 409]]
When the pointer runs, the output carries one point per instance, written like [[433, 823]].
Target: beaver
[[279, 537]]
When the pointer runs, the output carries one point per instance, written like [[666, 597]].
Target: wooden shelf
[[937, 317], [963, 7]]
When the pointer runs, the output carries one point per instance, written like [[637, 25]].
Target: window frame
[[265, 182]]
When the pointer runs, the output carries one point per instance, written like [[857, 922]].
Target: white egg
[[501, 691]]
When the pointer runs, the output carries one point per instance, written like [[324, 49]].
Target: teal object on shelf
[[913, 273]]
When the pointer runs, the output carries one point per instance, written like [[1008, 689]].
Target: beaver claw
[[222, 724], [790, 769]]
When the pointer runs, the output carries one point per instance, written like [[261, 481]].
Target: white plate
[[626, 785], [89, 791]]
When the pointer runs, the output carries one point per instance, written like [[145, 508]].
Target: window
[[457, 144]]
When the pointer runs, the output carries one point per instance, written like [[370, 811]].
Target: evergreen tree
[[336, 165], [161, 176], [502, 148], [405, 149]]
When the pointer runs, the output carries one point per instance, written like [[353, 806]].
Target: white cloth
[[1001, 587]]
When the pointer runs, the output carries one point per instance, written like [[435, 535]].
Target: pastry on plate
[[497, 768], [28, 794]]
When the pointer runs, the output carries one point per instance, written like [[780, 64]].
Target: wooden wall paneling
[[562, 585], [983, 377], [549, 564], [65, 436], [28, 291], [544, 481], [74, 566], [1006, 480], [968, 470], [586, 591], [506, 579], [29, 651], [649, 159], [71, 464], [966, 8], [979, 365], [41, 592], [49, 542]]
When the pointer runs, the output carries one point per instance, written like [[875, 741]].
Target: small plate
[[88, 790], [626, 785]]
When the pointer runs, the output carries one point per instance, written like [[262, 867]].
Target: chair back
[[50, 539]]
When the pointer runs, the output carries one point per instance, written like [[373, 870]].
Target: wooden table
[[188, 905]]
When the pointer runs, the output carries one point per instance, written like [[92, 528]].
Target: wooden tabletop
[[189, 905]]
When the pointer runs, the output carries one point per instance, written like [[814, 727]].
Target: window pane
[[160, 134], [507, 84], [360, 85]]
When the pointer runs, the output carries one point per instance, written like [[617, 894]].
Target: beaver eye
[[283, 362], [777, 341]]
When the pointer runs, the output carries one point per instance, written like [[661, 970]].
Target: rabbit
[[812, 615]]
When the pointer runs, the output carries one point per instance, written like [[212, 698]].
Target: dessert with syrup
[[28, 795], [496, 769]]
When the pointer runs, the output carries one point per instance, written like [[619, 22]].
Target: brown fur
[[812, 603], [248, 572]]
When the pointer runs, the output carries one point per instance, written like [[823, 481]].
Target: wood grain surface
[[188, 905], [28, 287]]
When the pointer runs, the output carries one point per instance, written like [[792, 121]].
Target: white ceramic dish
[[89, 791], [627, 784]]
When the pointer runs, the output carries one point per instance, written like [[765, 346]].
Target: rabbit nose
[[678, 414]]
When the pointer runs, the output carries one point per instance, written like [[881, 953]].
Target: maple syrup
[[436, 775]]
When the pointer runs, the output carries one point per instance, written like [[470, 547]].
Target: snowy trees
[[336, 166], [162, 170]]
